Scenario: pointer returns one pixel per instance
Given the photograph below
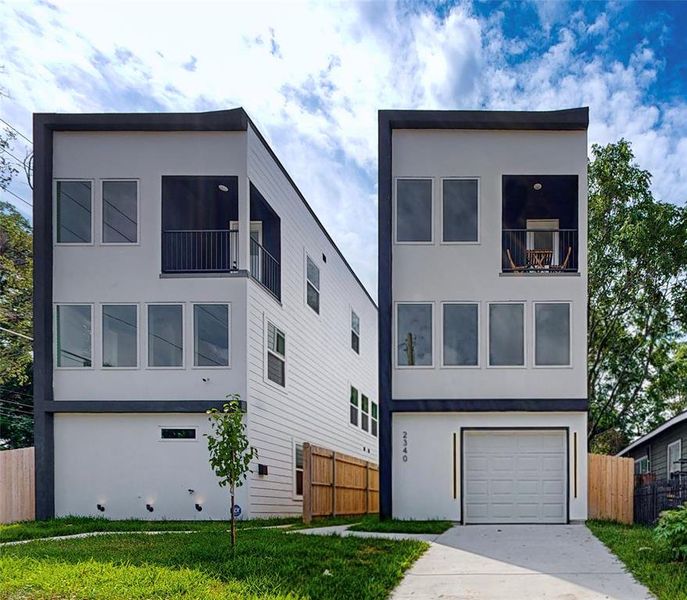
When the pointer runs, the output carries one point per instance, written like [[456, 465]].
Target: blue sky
[[313, 75]]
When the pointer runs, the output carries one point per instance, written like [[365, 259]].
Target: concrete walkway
[[344, 531], [76, 536], [512, 562]]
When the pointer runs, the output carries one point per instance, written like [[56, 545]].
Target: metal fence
[[539, 250], [265, 268], [653, 498], [199, 251]]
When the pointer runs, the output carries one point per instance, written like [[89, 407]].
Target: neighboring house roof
[[235, 119], [645, 438]]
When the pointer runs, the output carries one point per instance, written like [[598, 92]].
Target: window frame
[[534, 334], [308, 256], [102, 211], [138, 336], [648, 466], [395, 334], [394, 210], [525, 353], [365, 413], [355, 425], [476, 242], [183, 336], [266, 351], [178, 440], [193, 336], [354, 332], [374, 419], [478, 304], [669, 466], [56, 336], [55, 218]]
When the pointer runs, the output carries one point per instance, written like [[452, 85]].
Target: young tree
[[230, 452], [637, 317]]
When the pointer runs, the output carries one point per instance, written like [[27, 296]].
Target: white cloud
[[313, 77]]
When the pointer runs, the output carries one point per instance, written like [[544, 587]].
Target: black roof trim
[[572, 119], [235, 119]]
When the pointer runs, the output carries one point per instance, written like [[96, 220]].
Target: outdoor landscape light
[[223, 188], [149, 507], [537, 186], [199, 507], [100, 507]]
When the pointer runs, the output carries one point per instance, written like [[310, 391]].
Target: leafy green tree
[[637, 298], [230, 451]]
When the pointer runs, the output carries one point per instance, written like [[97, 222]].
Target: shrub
[[672, 531]]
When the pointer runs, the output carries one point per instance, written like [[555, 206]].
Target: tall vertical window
[[120, 212], [298, 468], [355, 332], [354, 407], [674, 457], [642, 465], [506, 335], [211, 335], [312, 291], [459, 208], [414, 335], [120, 335], [552, 334], [460, 329], [364, 413], [74, 212], [374, 420], [165, 335], [276, 354], [74, 335], [414, 210]]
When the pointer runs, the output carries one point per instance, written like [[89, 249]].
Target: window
[[74, 335], [461, 335], [674, 457], [120, 212], [74, 212], [506, 335], [312, 291], [459, 209], [414, 335], [375, 419], [178, 433], [354, 409], [120, 335], [552, 334], [355, 332], [642, 465], [298, 468], [165, 335], [276, 355], [414, 210], [364, 413], [211, 335]]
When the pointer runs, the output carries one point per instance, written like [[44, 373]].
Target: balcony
[[200, 230], [540, 224]]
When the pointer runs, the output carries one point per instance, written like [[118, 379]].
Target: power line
[[16, 131], [12, 391], [15, 409], [19, 197], [15, 404], [16, 333], [19, 161]]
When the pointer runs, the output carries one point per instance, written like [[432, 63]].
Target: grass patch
[[29, 530], [650, 562], [267, 564], [372, 523]]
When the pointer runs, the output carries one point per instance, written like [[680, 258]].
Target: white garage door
[[515, 476]]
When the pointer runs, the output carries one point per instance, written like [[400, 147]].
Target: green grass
[[372, 523], [267, 564], [647, 560], [29, 530]]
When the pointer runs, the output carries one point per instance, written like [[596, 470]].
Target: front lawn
[[267, 564], [372, 523], [650, 563]]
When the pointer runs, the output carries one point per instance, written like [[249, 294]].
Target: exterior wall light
[[537, 186], [199, 507], [100, 507], [149, 507], [223, 188]]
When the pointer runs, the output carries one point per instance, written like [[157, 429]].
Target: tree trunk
[[233, 521]]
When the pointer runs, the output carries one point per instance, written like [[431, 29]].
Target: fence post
[[367, 487], [307, 483], [333, 484]]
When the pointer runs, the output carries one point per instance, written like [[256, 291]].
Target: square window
[[74, 212], [506, 335], [460, 210], [120, 335], [414, 210], [414, 335], [74, 335], [552, 334], [460, 328], [165, 335], [120, 212], [211, 335]]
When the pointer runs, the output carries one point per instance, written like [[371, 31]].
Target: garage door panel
[[515, 476]]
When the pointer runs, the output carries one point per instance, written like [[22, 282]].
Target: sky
[[312, 76]]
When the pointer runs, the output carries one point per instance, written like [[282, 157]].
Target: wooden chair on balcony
[[564, 265], [511, 263]]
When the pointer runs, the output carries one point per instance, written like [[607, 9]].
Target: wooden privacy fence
[[17, 484], [611, 488], [337, 484]]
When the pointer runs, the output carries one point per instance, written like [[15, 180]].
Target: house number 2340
[[404, 446]]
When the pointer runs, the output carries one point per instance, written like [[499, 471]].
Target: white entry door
[[515, 476]]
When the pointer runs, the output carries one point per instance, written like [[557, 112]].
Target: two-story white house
[[482, 315], [176, 262]]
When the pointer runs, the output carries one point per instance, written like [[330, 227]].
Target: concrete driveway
[[511, 562]]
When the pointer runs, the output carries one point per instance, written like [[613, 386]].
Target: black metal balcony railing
[[539, 250], [200, 251], [265, 268]]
